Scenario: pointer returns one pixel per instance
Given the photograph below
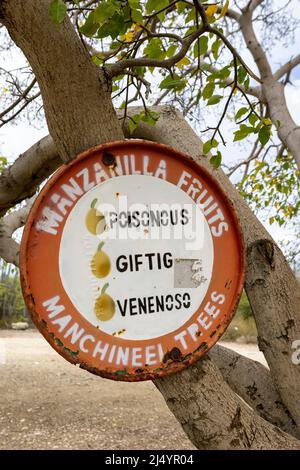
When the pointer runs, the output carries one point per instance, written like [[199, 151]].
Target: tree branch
[[23, 96], [217, 419], [253, 91], [252, 382], [253, 4], [117, 68], [232, 14], [253, 45], [9, 248], [22, 179], [287, 68]]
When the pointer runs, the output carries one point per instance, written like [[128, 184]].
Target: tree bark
[[213, 417], [272, 89], [253, 383], [22, 179], [271, 286]]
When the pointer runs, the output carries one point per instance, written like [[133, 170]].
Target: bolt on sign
[[132, 261]]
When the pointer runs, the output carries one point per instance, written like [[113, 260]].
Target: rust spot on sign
[[109, 159]]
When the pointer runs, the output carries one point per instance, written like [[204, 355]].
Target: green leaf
[[242, 74], [174, 82], [252, 119], [156, 5], [104, 288], [89, 28], [105, 11], [137, 16], [240, 113], [240, 135], [150, 117], [3, 160], [209, 145], [134, 122], [214, 100], [201, 46], [216, 160], [191, 16], [208, 90], [97, 59], [171, 50], [93, 203], [181, 6], [115, 26], [243, 132], [264, 135], [154, 49], [57, 11], [104, 31], [215, 48], [135, 4], [247, 83], [224, 73]]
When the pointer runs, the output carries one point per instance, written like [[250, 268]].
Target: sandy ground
[[47, 403]]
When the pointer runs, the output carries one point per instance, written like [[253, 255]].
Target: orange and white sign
[[132, 261]]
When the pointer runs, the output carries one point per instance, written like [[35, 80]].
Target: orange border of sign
[[40, 273]]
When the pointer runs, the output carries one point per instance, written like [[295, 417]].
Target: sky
[[14, 139]]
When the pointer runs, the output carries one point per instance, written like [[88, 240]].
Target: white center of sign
[[136, 257]]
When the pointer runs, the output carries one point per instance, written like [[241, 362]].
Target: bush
[[243, 324], [12, 307]]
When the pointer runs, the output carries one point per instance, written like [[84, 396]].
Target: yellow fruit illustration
[[104, 307], [100, 264], [95, 220]]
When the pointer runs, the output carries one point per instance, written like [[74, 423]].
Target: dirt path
[[46, 403]]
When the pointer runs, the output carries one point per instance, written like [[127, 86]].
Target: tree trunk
[[272, 90], [213, 417], [271, 286], [253, 383]]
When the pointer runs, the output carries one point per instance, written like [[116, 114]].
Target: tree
[[76, 93], [11, 301]]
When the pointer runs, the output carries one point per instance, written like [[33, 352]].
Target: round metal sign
[[132, 261]]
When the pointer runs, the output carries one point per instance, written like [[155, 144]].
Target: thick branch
[[265, 282], [272, 90], [232, 14], [287, 68], [23, 177], [253, 4], [9, 248], [213, 416], [252, 382], [254, 45]]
